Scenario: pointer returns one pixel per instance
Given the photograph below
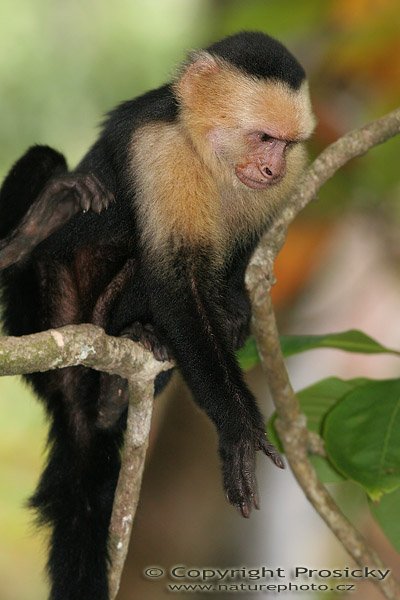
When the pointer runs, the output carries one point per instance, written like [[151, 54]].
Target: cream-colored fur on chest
[[179, 199]]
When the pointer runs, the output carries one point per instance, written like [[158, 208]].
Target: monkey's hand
[[238, 467], [60, 200], [82, 191]]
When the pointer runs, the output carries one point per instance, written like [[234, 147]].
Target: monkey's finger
[[256, 501], [84, 194], [99, 196], [245, 510], [249, 478], [104, 196], [242, 507], [236, 492], [272, 453], [161, 353], [107, 195]]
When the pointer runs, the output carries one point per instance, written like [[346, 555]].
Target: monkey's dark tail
[[25, 181], [75, 496], [22, 225]]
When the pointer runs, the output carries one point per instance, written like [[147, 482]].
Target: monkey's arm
[[60, 199], [237, 300], [189, 318]]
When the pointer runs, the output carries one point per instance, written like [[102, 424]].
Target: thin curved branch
[[336, 155], [315, 444], [130, 478], [291, 424]]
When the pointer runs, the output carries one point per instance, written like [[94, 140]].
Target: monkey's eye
[[264, 137]]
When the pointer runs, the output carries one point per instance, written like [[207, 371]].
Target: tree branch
[[130, 478], [73, 345], [291, 424], [336, 155], [89, 346], [315, 444]]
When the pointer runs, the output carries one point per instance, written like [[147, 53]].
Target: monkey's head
[[246, 106]]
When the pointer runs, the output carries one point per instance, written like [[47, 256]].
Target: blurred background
[[62, 66]]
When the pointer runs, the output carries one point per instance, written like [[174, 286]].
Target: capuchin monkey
[[149, 237]]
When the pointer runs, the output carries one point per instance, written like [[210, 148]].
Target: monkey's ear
[[195, 74]]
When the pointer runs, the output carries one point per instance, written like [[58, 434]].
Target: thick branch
[[73, 345]]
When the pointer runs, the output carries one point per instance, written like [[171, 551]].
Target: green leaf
[[317, 399], [315, 402], [351, 341], [272, 433], [248, 355], [325, 470], [387, 513], [361, 434]]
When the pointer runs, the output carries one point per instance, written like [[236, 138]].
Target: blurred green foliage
[[22, 434]]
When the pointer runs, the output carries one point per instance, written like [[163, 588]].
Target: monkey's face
[[258, 130], [265, 163], [257, 158], [245, 126]]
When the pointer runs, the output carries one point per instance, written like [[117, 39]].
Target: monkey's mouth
[[255, 184]]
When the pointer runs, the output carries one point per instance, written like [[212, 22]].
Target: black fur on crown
[[261, 56]]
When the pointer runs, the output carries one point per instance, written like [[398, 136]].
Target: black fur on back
[[261, 56]]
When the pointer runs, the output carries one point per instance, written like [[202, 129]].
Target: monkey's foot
[[238, 469], [144, 334], [88, 192]]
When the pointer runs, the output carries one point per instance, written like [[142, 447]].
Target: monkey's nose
[[267, 171], [272, 171]]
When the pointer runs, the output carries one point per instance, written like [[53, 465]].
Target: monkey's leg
[[61, 198], [145, 334], [24, 182], [114, 393]]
